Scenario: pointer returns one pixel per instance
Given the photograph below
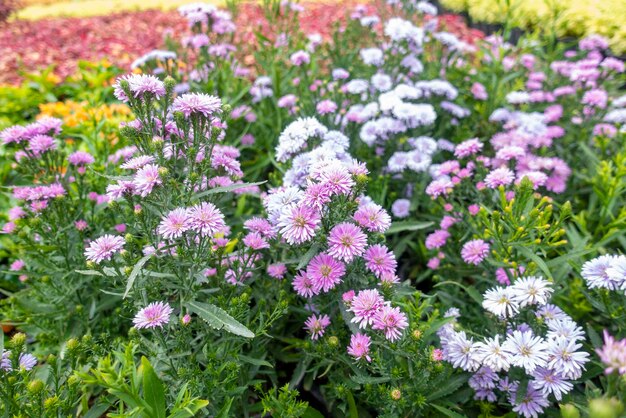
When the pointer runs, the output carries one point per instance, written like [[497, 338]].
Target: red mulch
[[28, 46]]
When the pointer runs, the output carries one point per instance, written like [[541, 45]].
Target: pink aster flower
[[437, 354], [439, 187], [326, 106], [197, 104], [255, 241], [13, 134], [17, 265], [372, 217], [325, 272], [299, 58], [277, 270], [146, 178], [337, 178], [437, 239], [41, 143], [205, 219], [380, 261], [317, 325], [359, 347], [154, 315], [16, 212], [137, 162], [317, 195], [139, 85], [80, 224], [174, 224], [298, 223], [103, 248], [365, 305], [475, 251], [346, 241], [479, 92], [467, 148], [303, 285], [613, 354], [499, 177], [260, 225], [391, 321], [80, 158]]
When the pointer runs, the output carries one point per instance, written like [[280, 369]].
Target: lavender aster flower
[[103, 248], [154, 315], [197, 104]]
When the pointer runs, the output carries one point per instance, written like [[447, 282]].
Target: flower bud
[[333, 341], [395, 394], [36, 386], [605, 408], [18, 341], [51, 403]]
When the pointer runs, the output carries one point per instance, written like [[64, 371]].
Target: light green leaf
[[255, 361], [190, 410], [223, 413], [226, 189], [447, 412], [135, 273], [153, 391], [89, 272], [407, 226], [218, 318], [308, 256]]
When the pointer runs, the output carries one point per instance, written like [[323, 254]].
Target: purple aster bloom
[[437, 239], [145, 179], [391, 321], [255, 241], [103, 248], [13, 134], [303, 285], [346, 241], [137, 162], [359, 347], [613, 354], [325, 272], [299, 58], [139, 85], [379, 260], [475, 251], [196, 104], [174, 224], [41, 143], [400, 208], [372, 217], [206, 219], [365, 305], [532, 404], [549, 381], [80, 158], [277, 270], [154, 315], [298, 223], [326, 106], [499, 177], [317, 325]]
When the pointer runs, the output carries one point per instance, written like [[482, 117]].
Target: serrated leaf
[[153, 391], [407, 226], [218, 318], [135, 273], [365, 380], [448, 387]]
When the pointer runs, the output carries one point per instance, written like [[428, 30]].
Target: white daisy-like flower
[[491, 353], [531, 291], [526, 350], [500, 301], [564, 358], [462, 352]]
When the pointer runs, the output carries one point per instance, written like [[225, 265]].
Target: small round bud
[[72, 344], [128, 238], [416, 334], [163, 171], [18, 340], [395, 394], [36, 386], [51, 403], [333, 341], [185, 320]]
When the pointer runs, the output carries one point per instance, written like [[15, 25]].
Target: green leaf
[[354, 413], [223, 413], [226, 189], [97, 410], [447, 412], [191, 410], [471, 291], [308, 256], [407, 226], [153, 391], [89, 272], [255, 361], [135, 273], [365, 380], [312, 413], [1, 342], [534, 257], [217, 318]]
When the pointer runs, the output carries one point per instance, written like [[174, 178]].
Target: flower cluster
[[520, 351]]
